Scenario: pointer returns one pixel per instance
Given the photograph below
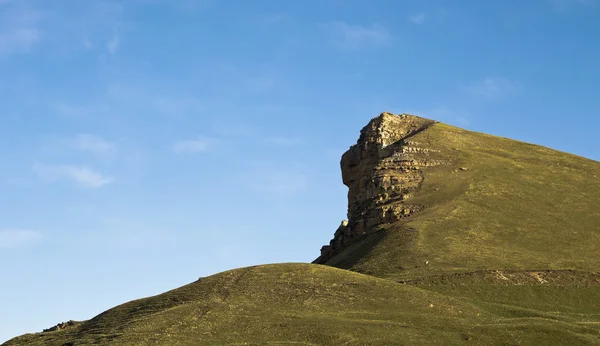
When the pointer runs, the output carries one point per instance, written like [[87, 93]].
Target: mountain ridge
[[475, 175], [452, 237]]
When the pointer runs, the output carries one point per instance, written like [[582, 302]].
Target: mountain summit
[[427, 198], [381, 171], [453, 237]]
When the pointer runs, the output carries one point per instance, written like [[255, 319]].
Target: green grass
[[505, 253], [517, 206], [308, 304]]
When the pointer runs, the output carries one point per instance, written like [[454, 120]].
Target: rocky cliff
[[382, 171]]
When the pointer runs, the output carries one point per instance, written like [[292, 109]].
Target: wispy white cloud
[[13, 238], [83, 175], [93, 144], [417, 18], [70, 110], [355, 36], [493, 88], [192, 146], [113, 43], [19, 28], [18, 40], [87, 43]]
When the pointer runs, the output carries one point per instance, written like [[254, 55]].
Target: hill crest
[[426, 198], [462, 235], [382, 171]]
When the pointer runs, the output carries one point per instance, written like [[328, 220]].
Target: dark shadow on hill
[[351, 256]]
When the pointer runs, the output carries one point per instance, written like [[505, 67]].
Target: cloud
[[93, 144], [355, 36], [113, 44], [417, 18], [493, 88], [83, 175], [192, 146], [76, 111], [18, 40], [87, 43], [85, 25], [18, 28], [12, 238], [89, 145]]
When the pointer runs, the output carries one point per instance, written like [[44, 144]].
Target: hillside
[[464, 201], [307, 304], [453, 237]]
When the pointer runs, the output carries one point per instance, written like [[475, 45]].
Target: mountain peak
[[428, 198], [388, 128], [381, 170]]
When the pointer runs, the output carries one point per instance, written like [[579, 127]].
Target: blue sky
[[146, 143]]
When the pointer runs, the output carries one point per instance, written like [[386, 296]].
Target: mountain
[[429, 199], [452, 237]]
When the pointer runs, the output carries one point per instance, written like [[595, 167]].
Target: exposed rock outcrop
[[62, 325], [382, 171]]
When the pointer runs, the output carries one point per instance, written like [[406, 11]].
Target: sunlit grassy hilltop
[[504, 251], [499, 204]]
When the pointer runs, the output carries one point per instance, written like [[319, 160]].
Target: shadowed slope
[[496, 203], [308, 305]]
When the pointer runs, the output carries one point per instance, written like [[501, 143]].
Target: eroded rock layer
[[382, 171]]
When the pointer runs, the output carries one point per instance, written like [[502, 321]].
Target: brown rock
[[62, 325], [381, 170]]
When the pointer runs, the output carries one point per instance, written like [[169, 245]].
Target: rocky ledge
[[61, 326], [382, 171]]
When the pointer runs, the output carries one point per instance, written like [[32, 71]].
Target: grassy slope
[[517, 206], [308, 304]]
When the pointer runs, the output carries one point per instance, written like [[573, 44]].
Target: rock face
[[382, 171]]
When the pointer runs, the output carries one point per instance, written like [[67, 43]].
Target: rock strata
[[382, 172]]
